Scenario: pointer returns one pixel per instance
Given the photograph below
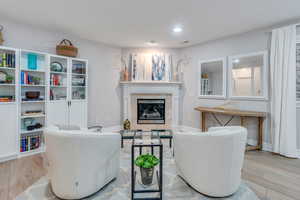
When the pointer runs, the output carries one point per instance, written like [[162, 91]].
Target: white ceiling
[[131, 23]]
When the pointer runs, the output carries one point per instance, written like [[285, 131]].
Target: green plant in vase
[[9, 79], [36, 80], [146, 162]]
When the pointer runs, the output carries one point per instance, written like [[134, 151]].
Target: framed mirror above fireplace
[[151, 111]]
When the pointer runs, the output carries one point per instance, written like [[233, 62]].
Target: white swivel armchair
[[211, 162], [81, 161]]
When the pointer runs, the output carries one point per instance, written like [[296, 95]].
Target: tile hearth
[[174, 187]]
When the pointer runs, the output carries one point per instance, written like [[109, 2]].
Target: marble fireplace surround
[[131, 91]]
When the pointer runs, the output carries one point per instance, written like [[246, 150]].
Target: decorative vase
[[147, 175], [1, 36], [126, 75], [32, 61], [126, 125]]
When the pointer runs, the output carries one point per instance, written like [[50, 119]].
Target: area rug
[[174, 187]]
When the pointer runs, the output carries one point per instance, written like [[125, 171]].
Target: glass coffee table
[[163, 134], [127, 135]]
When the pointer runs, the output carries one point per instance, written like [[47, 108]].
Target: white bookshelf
[[9, 98], [72, 108], [33, 78]]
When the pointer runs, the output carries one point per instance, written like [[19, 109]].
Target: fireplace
[[150, 111]]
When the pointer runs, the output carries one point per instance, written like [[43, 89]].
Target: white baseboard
[[266, 146]]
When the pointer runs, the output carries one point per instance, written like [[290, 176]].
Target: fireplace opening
[[151, 111]]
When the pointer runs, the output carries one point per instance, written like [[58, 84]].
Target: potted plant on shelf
[[146, 163], [9, 79], [36, 80]]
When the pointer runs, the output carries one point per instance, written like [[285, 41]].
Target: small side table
[[139, 143]]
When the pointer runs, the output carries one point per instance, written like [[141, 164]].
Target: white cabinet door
[[57, 112], [78, 113], [8, 131]]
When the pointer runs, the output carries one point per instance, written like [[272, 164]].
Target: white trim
[[149, 82], [264, 76], [41, 149], [224, 68], [9, 48], [8, 157], [114, 128]]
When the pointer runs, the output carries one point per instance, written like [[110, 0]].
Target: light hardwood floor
[[272, 177]]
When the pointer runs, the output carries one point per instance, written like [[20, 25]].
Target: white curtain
[[283, 91]]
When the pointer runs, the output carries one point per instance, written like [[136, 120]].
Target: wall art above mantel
[[150, 67]]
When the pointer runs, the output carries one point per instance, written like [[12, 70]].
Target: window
[[212, 78], [247, 76]]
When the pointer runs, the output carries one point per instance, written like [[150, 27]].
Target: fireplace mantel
[[150, 83], [151, 88]]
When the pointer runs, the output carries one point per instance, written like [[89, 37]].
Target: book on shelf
[[30, 142], [7, 60], [27, 79], [7, 98]]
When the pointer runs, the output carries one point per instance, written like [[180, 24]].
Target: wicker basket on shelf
[[66, 48]]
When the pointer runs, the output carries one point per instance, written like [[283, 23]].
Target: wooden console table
[[240, 113]]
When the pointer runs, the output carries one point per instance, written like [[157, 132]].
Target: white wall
[[104, 98], [240, 44]]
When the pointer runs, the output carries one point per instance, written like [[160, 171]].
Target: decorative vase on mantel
[[1, 36], [125, 75], [126, 125]]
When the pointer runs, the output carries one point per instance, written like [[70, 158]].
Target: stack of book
[[6, 98], [7, 60], [30, 142], [27, 79]]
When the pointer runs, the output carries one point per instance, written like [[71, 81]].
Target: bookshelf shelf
[[30, 70], [33, 101], [33, 131], [7, 103], [41, 149], [28, 85], [5, 84], [7, 68], [61, 73], [58, 86], [78, 86], [33, 116]]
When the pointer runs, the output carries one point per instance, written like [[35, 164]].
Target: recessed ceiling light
[[152, 43], [177, 29], [236, 60]]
